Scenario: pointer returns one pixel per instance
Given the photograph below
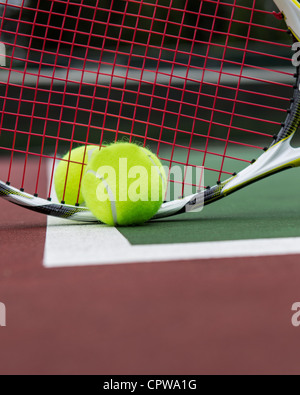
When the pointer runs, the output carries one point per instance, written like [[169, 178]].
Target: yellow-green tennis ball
[[158, 163], [72, 167], [124, 184]]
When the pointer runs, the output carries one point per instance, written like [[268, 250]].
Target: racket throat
[[278, 158]]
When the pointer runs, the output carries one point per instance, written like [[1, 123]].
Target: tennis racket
[[207, 84]]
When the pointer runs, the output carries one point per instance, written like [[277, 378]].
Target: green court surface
[[268, 209]]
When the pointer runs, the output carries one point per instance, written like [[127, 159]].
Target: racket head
[[205, 86]]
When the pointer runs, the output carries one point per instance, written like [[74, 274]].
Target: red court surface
[[228, 316]]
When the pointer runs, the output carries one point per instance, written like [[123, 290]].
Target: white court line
[[70, 245]]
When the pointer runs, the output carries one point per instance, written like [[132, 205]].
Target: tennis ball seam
[[156, 167], [69, 174], [90, 153], [112, 198]]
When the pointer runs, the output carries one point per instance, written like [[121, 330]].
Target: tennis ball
[[124, 185], [71, 166]]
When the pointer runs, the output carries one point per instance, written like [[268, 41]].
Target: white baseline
[[69, 244]]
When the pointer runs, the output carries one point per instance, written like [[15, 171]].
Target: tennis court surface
[[211, 87], [187, 316]]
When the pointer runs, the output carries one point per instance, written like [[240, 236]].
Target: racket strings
[[200, 83]]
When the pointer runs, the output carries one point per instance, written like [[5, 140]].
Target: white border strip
[[69, 245]]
